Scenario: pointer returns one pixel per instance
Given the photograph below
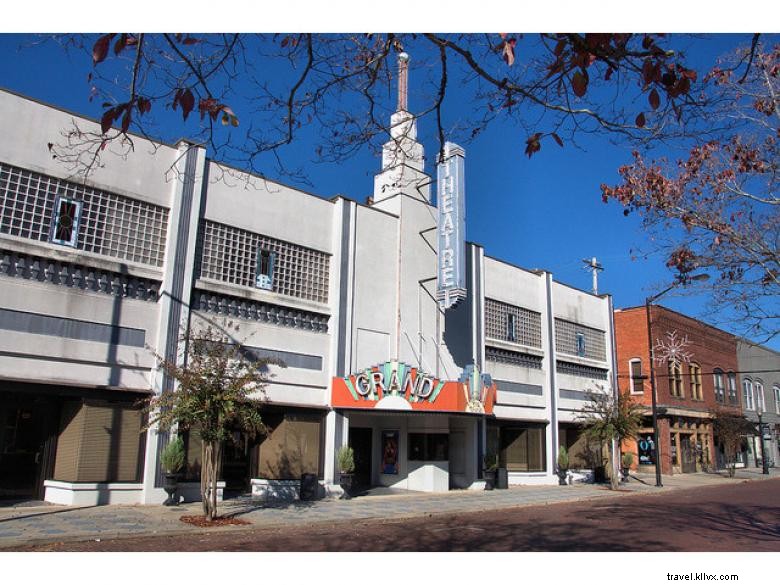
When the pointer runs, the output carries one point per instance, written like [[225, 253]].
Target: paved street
[[693, 512]]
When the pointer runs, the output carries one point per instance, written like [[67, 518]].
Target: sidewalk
[[20, 526]]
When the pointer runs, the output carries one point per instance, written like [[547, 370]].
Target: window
[[428, 447], [65, 222], [522, 449], [265, 269], [581, 344], [747, 395], [695, 371], [675, 380], [759, 392], [510, 327], [732, 388], [776, 392], [720, 391], [636, 381]]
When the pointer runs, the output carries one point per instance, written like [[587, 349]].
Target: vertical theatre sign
[[452, 226]]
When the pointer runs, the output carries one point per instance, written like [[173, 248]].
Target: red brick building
[[687, 391]]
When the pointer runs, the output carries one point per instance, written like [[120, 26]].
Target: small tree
[[606, 418], [729, 428], [216, 393]]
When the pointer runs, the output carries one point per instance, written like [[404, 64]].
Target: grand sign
[[398, 386], [452, 226]]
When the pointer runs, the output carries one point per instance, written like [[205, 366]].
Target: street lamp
[[648, 301], [764, 462]]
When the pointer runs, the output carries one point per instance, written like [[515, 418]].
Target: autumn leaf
[[532, 145], [100, 48], [509, 51], [186, 100], [579, 83], [107, 120], [557, 139], [640, 120], [654, 99]]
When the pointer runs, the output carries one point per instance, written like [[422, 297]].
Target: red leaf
[[532, 145], [190, 41], [559, 47], [654, 99], [100, 48], [107, 120], [187, 101], [126, 119], [144, 105], [640, 120], [557, 139], [579, 83], [120, 44], [608, 74]]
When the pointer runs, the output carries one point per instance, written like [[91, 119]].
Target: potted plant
[[491, 464], [626, 460], [172, 460], [563, 466], [345, 457]]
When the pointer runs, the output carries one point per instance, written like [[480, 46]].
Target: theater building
[[703, 378], [400, 339]]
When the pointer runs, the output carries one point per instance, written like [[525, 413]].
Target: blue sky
[[545, 212]]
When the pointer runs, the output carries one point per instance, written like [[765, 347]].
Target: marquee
[[395, 385]]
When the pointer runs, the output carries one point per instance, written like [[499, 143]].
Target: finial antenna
[[403, 81], [593, 264]]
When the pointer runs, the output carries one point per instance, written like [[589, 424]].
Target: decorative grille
[[230, 255], [515, 358], [580, 370], [110, 224], [566, 340], [528, 324]]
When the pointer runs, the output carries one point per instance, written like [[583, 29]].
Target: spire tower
[[403, 82]]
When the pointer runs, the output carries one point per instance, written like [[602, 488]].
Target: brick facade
[[685, 428]]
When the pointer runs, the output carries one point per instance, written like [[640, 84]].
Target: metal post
[[658, 482], [764, 462]]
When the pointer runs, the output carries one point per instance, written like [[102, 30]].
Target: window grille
[[566, 340], [109, 224], [230, 254], [526, 325], [572, 369], [515, 358]]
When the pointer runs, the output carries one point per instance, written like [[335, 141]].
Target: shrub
[[172, 456], [346, 459]]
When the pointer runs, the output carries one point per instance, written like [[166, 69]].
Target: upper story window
[[511, 323], [759, 392], [717, 379], [576, 339], [676, 380], [747, 395], [43, 208], [248, 259], [732, 388], [776, 393], [511, 333], [65, 221], [265, 269], [636, 381], [580, 344], [696, 391]]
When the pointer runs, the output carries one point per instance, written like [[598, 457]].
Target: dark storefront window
[[522, 448], [428, 447]]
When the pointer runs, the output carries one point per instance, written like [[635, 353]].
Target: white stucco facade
[[350, 287]]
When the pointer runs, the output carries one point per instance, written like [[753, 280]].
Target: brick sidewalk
[[21, 526]]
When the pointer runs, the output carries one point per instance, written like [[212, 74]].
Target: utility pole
[[593, 265]]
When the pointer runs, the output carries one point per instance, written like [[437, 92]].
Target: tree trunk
[[205, 458], [217, 464]]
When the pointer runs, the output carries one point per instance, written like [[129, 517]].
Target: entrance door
[[688, 452], [360, 441], [27, 441], [236, 462]]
